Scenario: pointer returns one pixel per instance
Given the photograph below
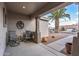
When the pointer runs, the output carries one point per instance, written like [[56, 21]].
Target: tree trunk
[[56, 25]]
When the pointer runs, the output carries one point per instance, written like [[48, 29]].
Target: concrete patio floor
[[27, 49], [32, 49]]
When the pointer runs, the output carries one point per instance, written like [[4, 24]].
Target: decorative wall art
[[20, 25]]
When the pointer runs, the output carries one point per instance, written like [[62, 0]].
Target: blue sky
[[73, 11]]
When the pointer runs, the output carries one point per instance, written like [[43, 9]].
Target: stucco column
[[78, 15], [75, 49], [38, 40]]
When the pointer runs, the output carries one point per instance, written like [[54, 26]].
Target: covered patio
[[20, 18]]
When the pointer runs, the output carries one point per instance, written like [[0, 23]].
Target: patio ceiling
[[31, 8], [26, 8]]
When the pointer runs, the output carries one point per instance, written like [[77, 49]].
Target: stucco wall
[[43, 28], [29, 24], [3, 31]]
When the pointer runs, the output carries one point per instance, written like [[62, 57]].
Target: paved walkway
[[60, 44]]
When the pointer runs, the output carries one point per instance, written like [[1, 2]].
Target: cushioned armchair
[[27, 35]]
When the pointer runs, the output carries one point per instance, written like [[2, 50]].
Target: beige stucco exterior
[[43, 28], [29, 24], [12, 19], [3, 31]]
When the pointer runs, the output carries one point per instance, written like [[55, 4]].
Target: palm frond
[[67, 16], [59, 14], [50, 18]]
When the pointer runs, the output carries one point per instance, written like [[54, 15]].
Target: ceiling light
[[23, 7]]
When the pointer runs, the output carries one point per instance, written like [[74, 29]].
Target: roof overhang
[[34, 8]]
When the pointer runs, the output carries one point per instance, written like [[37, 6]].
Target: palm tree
[[60, 13]]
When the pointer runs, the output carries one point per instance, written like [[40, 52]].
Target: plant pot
[[68, 47], [44, 39]]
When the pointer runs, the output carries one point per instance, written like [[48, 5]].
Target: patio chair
[[28, 36], [12, 39]]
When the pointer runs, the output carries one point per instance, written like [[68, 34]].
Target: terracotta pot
[[44, 39], [68, 48]]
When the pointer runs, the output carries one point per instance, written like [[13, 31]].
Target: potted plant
[[68, 48]]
